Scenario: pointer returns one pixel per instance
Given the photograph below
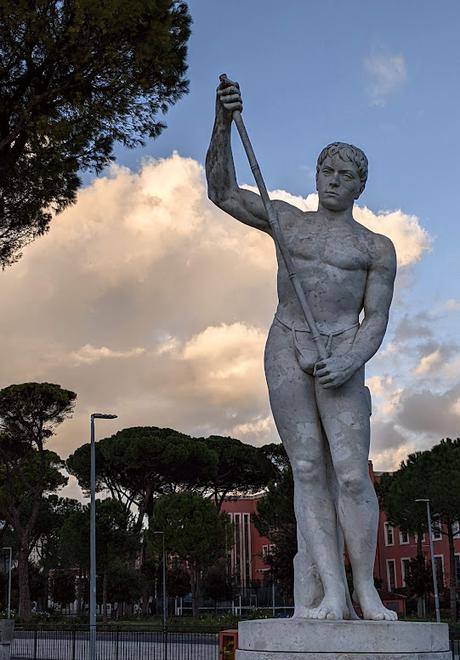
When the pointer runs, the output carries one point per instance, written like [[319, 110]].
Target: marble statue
[[321, 407]]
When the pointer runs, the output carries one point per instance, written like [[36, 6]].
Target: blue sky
[[308, 71], [155, 305]]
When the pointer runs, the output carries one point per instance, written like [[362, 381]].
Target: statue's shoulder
[[290, 214], [380, 248]]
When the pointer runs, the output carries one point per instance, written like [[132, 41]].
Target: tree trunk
[[46, 589], [196, 592], [104, 597], [146, 587], [79, 591], [452, 581], [25, 612]]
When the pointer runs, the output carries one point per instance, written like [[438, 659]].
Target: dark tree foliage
[[194, 531], [140, 463], [123, 584], [76, 76], [217, 584], [239, 467], [29, 414], [62, 586], [177, 580], [117, 542], [419, 578], [276, 519]]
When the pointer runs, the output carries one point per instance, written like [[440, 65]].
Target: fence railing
[[115, 645], [119, 644]]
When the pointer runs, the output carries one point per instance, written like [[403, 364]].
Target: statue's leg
[[345, 416], [308, 590], [292, 399]]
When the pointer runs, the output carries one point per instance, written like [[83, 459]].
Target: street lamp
[[433, 567], [92, 539], [165, 607], [9, 579]]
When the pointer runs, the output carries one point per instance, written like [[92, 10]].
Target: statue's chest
[[342, 250]]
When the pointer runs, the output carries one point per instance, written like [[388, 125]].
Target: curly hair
[[347, 152]]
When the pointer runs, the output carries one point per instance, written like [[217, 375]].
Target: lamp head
[[103, 416]]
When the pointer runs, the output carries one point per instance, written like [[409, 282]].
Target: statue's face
[[338, 184]]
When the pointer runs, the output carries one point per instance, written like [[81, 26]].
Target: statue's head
[[341, 175]]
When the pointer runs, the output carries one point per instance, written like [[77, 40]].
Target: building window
[[439, 566], [237, 549], [268, 550], [391, 574], [405, 563], [436, 533], [416, 536], [455, 529], [388, 534], [247, 548], [403, 537]]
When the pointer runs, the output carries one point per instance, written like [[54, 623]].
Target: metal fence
[[73, 644], [115, 645]]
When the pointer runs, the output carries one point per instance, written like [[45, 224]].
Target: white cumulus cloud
[[147, 300]]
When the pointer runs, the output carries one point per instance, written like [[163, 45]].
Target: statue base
[[306, 639]]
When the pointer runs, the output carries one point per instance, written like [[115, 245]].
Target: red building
[[394, 548], [247, 563]]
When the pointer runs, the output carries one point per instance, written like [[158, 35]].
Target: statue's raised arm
[[223, 189]]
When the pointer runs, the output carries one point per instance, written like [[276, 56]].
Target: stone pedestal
[[300, 639]]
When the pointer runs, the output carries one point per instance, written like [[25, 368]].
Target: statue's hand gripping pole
[[275, 226]]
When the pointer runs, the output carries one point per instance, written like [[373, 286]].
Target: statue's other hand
[[335, 371], [229, 95]]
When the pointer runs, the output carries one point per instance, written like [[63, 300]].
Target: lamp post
[[433, 567], [165, 606], [9, 578], [92, 539]]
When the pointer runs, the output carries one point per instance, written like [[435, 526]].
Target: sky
[[149, 302]]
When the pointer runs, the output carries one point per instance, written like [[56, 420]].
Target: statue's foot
[[371, 605], [332, 607], [301, 612]]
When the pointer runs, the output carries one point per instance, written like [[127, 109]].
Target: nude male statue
[[321, 408]]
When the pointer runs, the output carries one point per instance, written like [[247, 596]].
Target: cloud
[[427, 412], [428, 363], [149, 302], [413, 326], [386, 75], [452, 305], [260, 431], [224, 363], [88, 354], [410, 239]]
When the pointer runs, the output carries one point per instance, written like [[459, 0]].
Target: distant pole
[[10, 549], [165, 601], [273, 597], [92, 539], [433, 566]]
